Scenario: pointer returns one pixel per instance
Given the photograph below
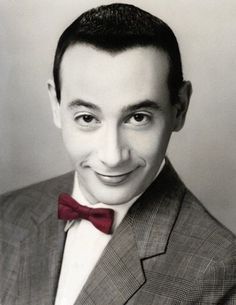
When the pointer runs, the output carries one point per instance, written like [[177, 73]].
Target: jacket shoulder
[[205, 237], [210, 254], [199, 263], [32, 202]]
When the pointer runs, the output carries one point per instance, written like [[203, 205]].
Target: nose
[[113, 152]]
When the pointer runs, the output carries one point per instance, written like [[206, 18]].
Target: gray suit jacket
[[167, 251]]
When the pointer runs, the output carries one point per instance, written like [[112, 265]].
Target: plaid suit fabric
[[31, 243], [168, 250]]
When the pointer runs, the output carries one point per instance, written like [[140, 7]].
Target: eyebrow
[[143, 104], [129, 108], [78, 102]]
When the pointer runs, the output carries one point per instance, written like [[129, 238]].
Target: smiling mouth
[[113, 179]]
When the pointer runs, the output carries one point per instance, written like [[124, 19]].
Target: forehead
[[93, 73]]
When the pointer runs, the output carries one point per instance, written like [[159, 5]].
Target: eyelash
[[83, 116], [90, 124], [145, 115]]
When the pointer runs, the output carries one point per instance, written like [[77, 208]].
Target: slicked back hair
[[117, 27]]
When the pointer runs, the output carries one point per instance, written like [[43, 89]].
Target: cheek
[[76, 144], [149, 145]]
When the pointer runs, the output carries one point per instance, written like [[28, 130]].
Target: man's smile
[[113, 179]]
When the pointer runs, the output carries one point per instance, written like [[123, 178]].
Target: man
[[118, 94]]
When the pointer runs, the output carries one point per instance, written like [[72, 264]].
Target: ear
[[181, 106], [55, 105]]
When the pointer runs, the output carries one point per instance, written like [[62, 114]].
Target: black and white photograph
[[117, 152]]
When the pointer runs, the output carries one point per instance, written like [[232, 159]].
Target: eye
[[139, 119], [86, 120]]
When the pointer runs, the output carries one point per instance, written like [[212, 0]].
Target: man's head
[[115, 106]]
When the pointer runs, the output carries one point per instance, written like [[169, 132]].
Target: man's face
[[116, 119]]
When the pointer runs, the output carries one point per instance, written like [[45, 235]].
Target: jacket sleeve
[[217, 285]]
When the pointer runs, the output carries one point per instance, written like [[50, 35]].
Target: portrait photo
[[127, 108]]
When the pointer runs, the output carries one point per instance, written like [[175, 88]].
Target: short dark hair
[[117, 27]]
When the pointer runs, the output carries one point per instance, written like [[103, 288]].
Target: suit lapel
[[44, 257], [43, 252], [10, 238], [118, 273], [156, 212], [143, 233]]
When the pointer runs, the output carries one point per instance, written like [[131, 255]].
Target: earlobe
[[181, 106], [55, 106]]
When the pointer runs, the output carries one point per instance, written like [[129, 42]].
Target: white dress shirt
[[84, 246]]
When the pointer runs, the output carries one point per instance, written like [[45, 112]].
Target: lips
[[113, 179]]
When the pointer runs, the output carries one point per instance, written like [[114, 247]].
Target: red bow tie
[[70, 209]]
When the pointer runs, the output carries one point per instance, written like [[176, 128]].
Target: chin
[[115, 198]]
